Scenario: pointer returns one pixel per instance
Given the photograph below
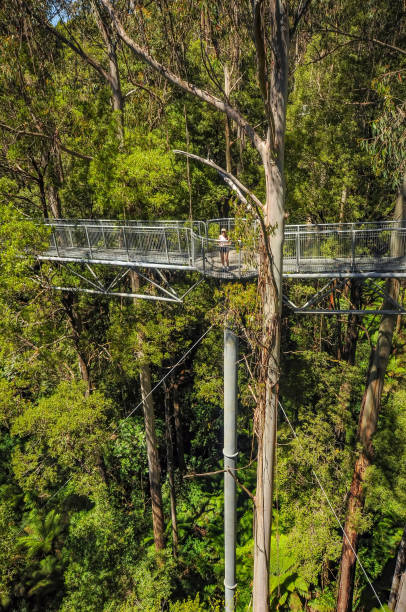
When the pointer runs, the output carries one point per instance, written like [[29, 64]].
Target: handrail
[[182, 244]]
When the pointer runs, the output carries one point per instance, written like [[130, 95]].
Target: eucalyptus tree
[[267, 24]]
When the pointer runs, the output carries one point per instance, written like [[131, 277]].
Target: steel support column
[[230, 461]]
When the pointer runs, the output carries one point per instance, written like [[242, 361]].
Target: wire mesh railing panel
[[363, 249], [374, 245], [227, 260]]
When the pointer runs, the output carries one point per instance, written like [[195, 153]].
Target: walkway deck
[[332, 250]]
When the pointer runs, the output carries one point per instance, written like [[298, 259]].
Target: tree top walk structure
[[331, 250]]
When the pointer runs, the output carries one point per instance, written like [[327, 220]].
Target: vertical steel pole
[[189, 246], [166, 245], [180, 248], [353, 247], [126, 243], [88, 242], [297, 249], [55, 240], [230, 461]]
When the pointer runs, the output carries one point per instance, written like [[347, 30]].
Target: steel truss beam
[[95, 285], [335, 286]]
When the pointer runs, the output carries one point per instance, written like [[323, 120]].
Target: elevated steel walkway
[[331, 250]]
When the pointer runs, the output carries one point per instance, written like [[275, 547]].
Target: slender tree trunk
[[114, 73], [270, 286], [343, 202], [367, 426], [227, 131], [41, 187], [85, 372], [178, 429], [349, 349], [169, 459], [227, 127], [189, 184], [154, 469], [399, 575], [76, 325], [351, 336], [54, 201]]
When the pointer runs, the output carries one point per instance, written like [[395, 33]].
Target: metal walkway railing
[[331, 250]]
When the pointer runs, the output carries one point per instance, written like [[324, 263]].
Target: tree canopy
[[88, 129]]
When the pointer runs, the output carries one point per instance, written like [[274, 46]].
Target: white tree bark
[[401, 603]]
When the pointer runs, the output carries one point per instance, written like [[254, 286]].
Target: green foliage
[[144, 183], [64, 433], [42, 545], [97, 553], [20, 239], [286, 586], [188, 606]]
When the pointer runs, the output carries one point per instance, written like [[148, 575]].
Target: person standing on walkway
[[224, 248]]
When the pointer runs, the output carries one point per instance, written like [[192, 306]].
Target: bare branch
[[75, 47], [243, 487], [299, 15], [46, 137], [74, 153], [334, 30], [225, 174], [151, 93], [190, 88]]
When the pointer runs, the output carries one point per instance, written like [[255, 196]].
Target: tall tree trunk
[[367, 426], [270, 286], [399, 575], [171, 480], [401, 603], [154, 469]]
